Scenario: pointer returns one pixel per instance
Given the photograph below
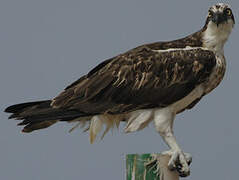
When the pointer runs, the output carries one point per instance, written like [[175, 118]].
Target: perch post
[[149, 167]]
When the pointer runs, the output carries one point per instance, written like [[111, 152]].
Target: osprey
[[152, 82]]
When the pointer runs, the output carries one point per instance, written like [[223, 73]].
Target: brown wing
[[140, 78]]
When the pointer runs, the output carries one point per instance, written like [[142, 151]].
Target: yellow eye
[[229, 12], [209, 14]]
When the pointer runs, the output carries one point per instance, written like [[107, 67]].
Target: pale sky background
[[47, 44]]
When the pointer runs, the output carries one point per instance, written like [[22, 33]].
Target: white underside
[[137, 120]]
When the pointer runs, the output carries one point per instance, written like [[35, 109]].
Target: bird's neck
[[214, 37]]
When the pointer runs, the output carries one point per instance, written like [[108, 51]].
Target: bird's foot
[[179, 161]]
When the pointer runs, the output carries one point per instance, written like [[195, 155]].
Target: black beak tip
[[219, 19]]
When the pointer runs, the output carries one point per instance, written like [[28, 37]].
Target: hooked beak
[[219, 18]]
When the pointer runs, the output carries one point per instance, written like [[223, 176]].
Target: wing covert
[[139, 78]]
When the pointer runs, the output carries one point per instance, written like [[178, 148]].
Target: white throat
[[215, 37]]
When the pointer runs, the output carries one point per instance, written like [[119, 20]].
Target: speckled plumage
[[138, 79]]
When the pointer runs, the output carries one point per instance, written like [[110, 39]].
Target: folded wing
[[138, 79]]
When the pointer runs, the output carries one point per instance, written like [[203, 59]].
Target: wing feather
[[139, 78]]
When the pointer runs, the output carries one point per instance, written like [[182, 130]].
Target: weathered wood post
[[149, 167]]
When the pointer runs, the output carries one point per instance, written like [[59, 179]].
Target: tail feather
[[35, 126], [19, 107], [40, 114]]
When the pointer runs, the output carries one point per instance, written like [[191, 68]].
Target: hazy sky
[[47, 44]]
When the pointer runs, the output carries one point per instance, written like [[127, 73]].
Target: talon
[[172, 164], [184, 174], [188, 158], [180, 161]]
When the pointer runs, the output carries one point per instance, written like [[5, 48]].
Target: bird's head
[[219, 24], [220, 14]]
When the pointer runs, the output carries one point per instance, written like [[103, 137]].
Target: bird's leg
[[179, 161]]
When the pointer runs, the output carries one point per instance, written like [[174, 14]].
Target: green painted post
[[149, 167]]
